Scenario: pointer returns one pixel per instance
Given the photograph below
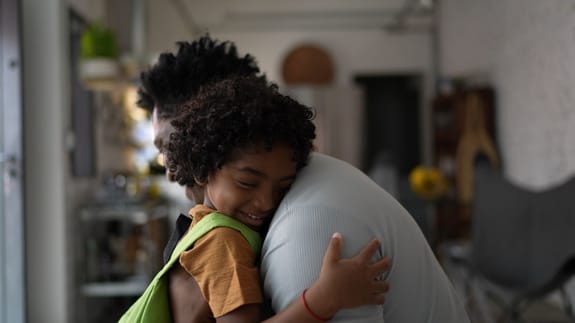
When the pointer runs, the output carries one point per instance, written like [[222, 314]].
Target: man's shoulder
[[332, 182], [324, 166], [322, 160]]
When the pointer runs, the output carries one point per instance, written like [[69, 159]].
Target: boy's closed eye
[[247, 184], [284, 190]]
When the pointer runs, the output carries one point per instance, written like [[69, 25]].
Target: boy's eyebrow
[[256, 172]]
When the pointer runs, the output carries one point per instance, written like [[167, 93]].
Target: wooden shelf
[[448, 120], [133, 286]]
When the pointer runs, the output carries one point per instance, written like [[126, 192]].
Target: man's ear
[[200, 182]]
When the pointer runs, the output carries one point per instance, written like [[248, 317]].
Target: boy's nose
[[265, 202]]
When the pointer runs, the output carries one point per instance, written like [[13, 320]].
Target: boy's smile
[[251, 219], [251, 185]]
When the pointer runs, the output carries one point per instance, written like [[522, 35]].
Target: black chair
[[522, 241]]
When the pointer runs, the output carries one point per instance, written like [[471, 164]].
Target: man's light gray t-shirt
[[330, 196]]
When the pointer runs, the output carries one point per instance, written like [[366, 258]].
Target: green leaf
[[98, 42]]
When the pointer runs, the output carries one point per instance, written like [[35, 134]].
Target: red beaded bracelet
[[315, 316]]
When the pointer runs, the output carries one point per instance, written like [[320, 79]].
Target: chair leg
[[478, 304], [567, 303], [509, 316], [513, 312]]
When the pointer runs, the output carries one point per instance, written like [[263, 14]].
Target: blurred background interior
[[464, 110]]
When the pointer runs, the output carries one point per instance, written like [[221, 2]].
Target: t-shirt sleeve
[[223, 265]]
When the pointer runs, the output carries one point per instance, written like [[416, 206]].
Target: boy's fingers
[[381, 266], [379, 289], [380, 286], [369, 250], [333, 252], [379, 299]]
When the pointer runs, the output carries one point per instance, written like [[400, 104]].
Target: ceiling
[[265, 15]]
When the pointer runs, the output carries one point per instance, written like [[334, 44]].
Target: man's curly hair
[[174, 79], [237, 113]]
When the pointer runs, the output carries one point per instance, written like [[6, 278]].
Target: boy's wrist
[[320, 302]]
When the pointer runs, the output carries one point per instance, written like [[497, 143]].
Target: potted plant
[[98, 53]]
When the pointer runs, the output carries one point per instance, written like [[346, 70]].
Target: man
[[328, 196], [174, 79], [169, 83]]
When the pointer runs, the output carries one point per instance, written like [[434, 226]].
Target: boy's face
[[162, 130], [250, 187]]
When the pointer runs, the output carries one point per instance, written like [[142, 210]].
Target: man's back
[[328, 196]]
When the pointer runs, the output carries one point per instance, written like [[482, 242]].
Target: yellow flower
[[428, 182]]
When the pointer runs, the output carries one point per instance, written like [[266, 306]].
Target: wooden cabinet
[[449, 120]]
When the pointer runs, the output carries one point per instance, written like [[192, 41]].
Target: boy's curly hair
[[236, 113], [174, 79]]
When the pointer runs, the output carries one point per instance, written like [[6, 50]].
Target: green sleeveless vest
[[153, 306]]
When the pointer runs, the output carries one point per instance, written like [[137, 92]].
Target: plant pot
[[99, 69]]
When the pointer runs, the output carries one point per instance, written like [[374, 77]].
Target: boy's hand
[[348, 282]]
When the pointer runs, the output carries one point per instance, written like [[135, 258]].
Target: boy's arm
[[343, 283]]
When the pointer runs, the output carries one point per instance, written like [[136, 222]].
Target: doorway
[[392, 128]]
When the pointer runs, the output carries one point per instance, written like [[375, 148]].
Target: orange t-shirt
[[224, 266]]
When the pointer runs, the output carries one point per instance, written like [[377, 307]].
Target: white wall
[[91, 10], [370, 51], [526, 49], [367, 52], [360, 51], [353, 52]]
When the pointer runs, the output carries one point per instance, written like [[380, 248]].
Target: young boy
[[243, 143]]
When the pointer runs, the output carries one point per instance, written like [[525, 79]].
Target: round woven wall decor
[[308, 64]]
